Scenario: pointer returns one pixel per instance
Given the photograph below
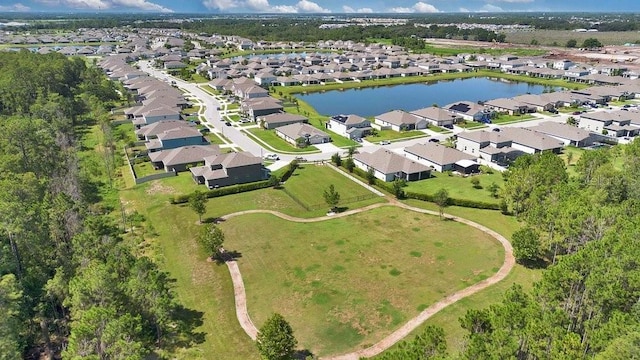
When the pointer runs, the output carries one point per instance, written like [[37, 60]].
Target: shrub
[[227, 190]]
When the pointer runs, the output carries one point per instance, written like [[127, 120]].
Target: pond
[[378, 100]]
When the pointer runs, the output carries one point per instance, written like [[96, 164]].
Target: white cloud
[[142, 5], [465, 10], [419, 7], [107, 4], [491, 8], [220, 4], [287, 9], [264, 6], [311, 7], [14, 7], [350, 10], [514, 1]]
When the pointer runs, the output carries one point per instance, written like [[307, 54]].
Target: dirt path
[[408, 327]]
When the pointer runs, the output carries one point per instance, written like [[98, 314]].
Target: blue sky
[[317, 6]]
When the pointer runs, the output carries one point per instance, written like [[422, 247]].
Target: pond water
[[378, 100]]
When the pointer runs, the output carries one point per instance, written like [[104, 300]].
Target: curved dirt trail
[[409, 326]]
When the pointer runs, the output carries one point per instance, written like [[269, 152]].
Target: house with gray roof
[[506, 145], [437, 116], [441, 158], [509, 106], [350, 126], [175, 138], [471, 111], [150, 116], [151, 131], [569, 135], [180, 158], [273, 121], [302, 135], [261, 106], [388, 166], [229, 169], [616, 124], [399, 120]]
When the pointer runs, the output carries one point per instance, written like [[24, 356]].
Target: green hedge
[[227, 190], [455, 202]]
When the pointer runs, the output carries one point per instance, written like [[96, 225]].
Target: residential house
[[179, 159], [389, 166], [615, 124], [569, 135], [399, 120], [261, 106], [273, 121], [151, 131], [176, 137], [229, 169], [509, 106], [437, 116], [471, 111], [441, 158], [302, 135], [158, 114], [506, 145], [350, 126]]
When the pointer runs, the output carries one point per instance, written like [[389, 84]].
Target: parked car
[[385, 142], [300, 159], [227, 123], [244, 121], [358, 140], [576, 113], [434, 140], [271, 157], [205, 130], [495, 129]]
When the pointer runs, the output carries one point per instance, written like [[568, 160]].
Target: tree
[[371, 176], [332, 197], [493, 189], [569, 158], [337, 160], [11, 324], [398, 185], [571, 43], [572, 121], [211, 239], [349, 164], [476, 183], [591, 43], [526, 244], [198, 203], [351, 151], [275, 339], [441, 198]]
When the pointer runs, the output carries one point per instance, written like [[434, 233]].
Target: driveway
[[328, 148]]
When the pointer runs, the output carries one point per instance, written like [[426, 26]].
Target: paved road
[[247, 324]]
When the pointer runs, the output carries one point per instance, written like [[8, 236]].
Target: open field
[[309, 181], [339, 288], [458, 187], [560, 37], [448, 317]]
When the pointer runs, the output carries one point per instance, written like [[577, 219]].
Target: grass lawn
[[471, 125], [392, 135], [277, 143], [234, 117], [215, 138], [340, 289], [448, 317], [502, 119], [145, 169], [458, 187], [309, 182], [576, 153], [438, 129], [233, 106]]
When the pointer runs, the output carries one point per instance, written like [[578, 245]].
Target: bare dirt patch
[[157, 187]]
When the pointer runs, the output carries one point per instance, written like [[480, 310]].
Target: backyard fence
[[343, 201]]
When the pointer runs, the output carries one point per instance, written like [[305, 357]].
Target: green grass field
[[560, 37], [277, 143], [448, 317], [458, 187], [347, 282], [504, 118], [393, 135], [309, 182]]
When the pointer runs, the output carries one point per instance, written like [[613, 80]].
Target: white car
[[271, 157], [385, 142]]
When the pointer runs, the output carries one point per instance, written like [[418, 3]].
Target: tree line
[[70, 285]]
